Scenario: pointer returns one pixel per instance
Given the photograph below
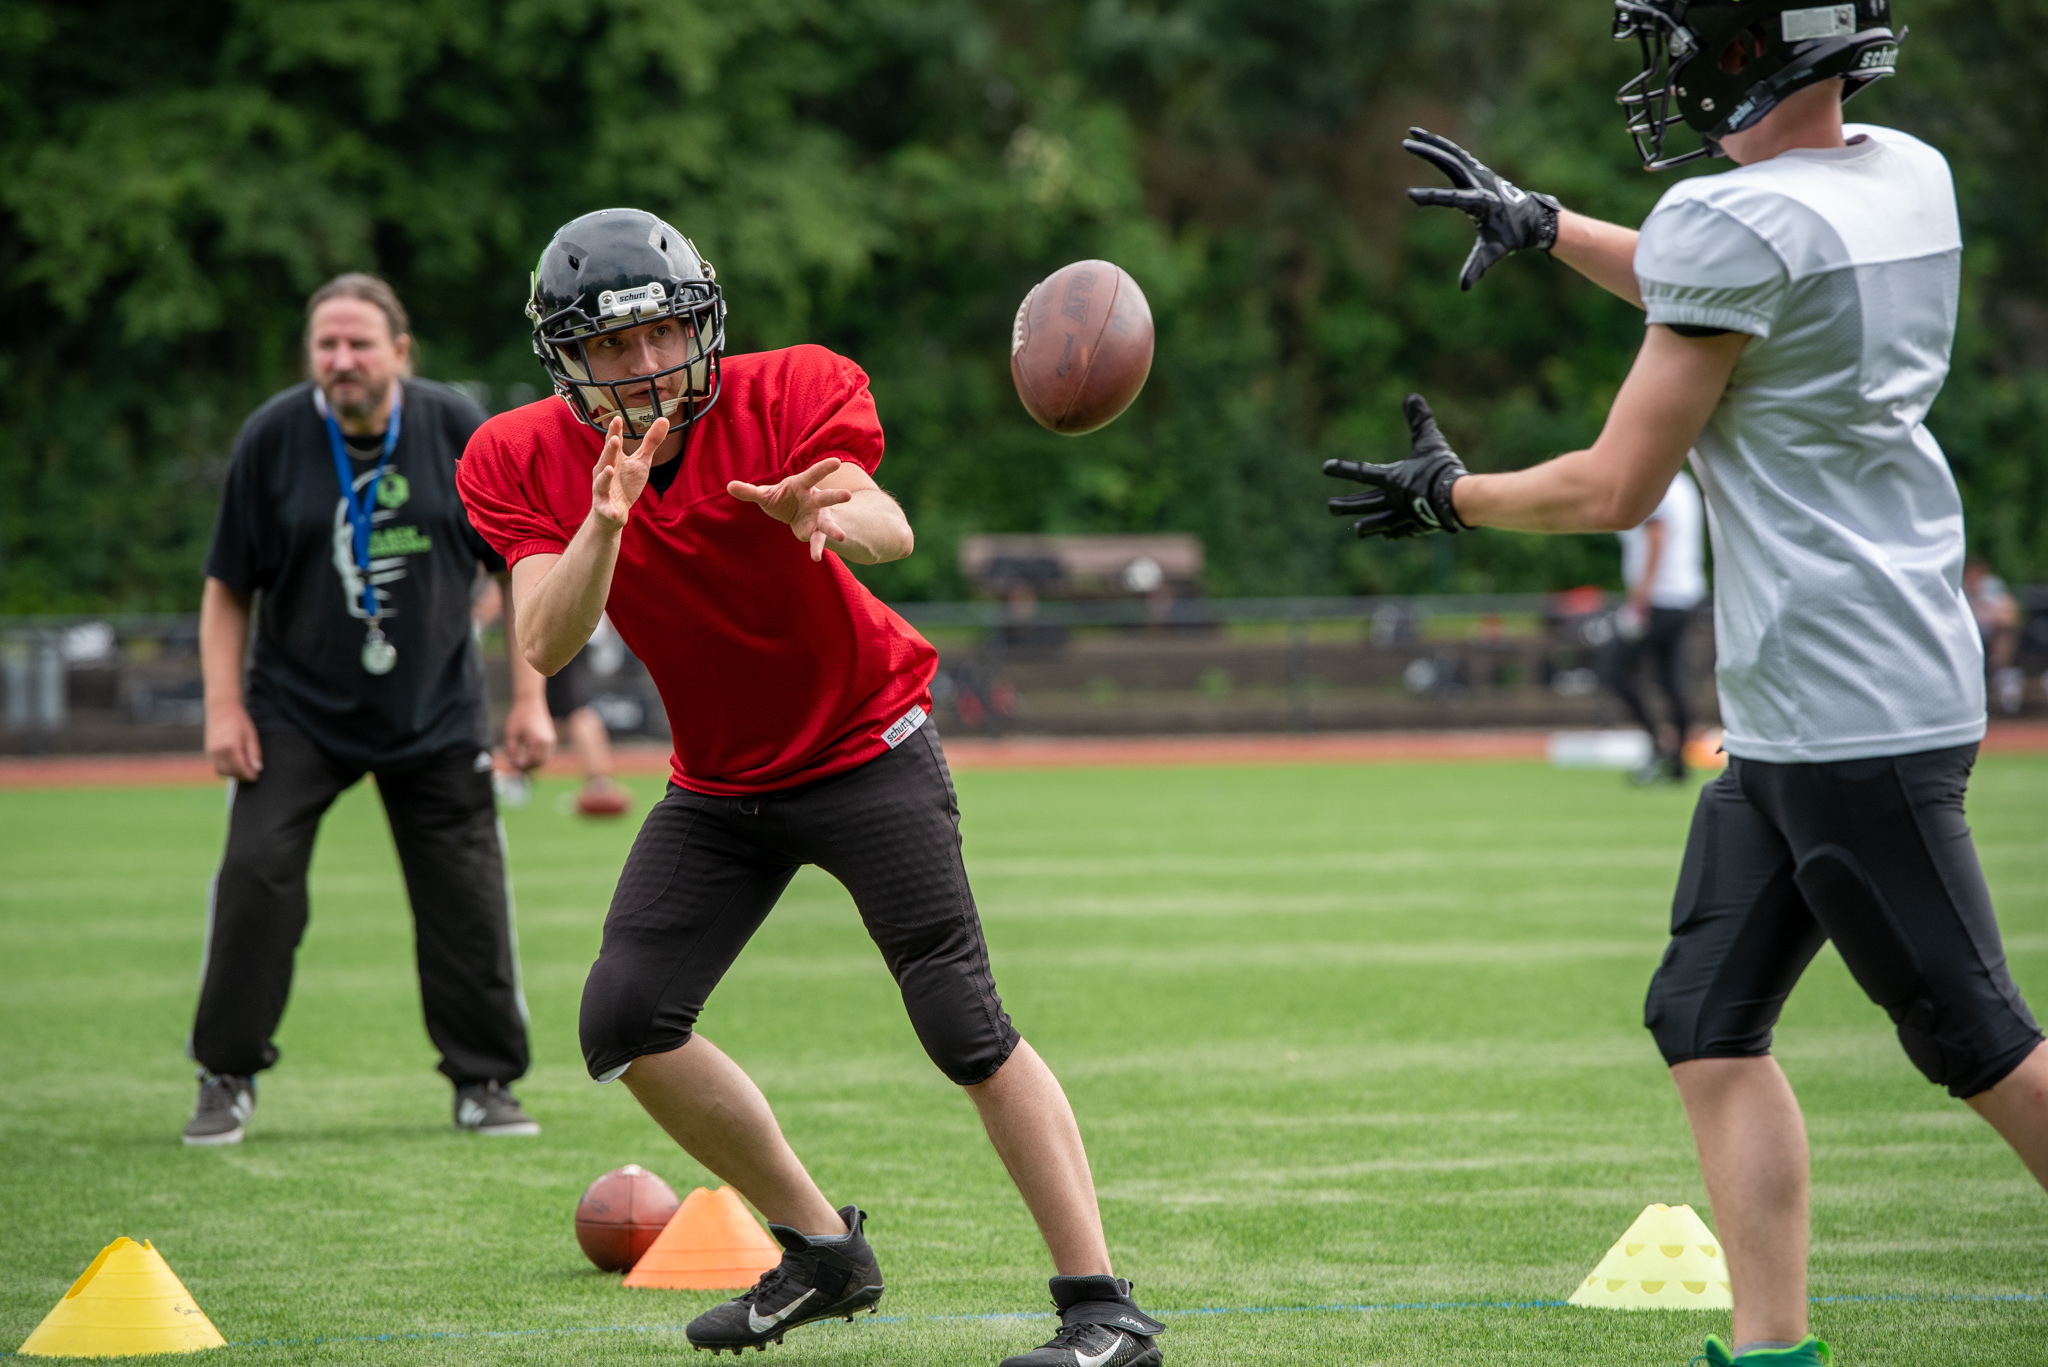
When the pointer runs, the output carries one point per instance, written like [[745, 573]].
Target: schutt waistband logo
[[904, 726]]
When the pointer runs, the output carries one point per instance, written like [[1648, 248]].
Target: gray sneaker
[[225, 1104], [489, 1108]]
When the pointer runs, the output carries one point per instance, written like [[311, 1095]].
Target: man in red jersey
[[694, 498]]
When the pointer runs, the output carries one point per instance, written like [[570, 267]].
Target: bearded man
[[341, 513]]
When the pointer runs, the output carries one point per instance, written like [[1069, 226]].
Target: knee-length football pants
[[705, 872]]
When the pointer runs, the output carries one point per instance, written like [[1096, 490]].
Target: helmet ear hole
[[1745, 48]]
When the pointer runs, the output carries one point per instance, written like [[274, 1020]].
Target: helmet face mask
[[613, 272], [1718, 66]]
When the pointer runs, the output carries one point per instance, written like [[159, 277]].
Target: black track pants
[[445, 823], [1663, 642]]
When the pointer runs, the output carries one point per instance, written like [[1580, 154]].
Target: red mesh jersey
[[775, 671]]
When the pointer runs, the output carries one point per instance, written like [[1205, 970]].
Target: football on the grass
[[621, 1213], [1082, 347]]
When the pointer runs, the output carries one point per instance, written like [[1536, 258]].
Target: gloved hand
[[1409, 497], [1509, 219]]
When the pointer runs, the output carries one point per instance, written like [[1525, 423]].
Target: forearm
[[223, 644], [528, 684], [1666, 400], [876, 530], [1576, 492], [558, 612], [1605, 253]]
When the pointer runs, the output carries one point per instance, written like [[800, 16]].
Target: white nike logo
[[1097, 1359], [757, 1324]]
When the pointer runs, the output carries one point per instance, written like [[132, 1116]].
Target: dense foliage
[[888, 177]]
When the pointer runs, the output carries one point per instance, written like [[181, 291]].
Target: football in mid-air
[[1082, 347], [621, 1214]]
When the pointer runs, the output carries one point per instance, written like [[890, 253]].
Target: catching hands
[[620, 476], [1411, 496], [799, 501], [1509, 219]]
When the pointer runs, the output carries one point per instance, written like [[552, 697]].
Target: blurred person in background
[[570, 694], [1998, 622], [1663, 566], [341, 511], [571, 691]]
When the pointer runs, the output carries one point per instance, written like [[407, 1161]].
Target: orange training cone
[[127, 1303], [712, 1244]]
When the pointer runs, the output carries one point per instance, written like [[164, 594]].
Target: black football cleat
[[814, 1281], [1100, 1326]]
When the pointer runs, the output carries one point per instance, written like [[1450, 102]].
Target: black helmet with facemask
[[610, 271], [1718, 66]]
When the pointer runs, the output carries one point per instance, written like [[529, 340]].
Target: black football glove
[[1411, 496], [1509, 219]]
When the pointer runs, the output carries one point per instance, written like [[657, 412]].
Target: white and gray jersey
[[1839, 617]]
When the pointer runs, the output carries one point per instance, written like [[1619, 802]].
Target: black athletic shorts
[[1873, 854], [705, 871]]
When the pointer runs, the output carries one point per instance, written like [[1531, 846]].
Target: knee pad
[[1945, 1034], [618, 1022]]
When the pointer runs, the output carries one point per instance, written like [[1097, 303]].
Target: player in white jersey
[[1663, 567], [1800, 312]]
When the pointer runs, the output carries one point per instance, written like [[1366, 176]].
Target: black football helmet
[[1720, 65], [618, 269]]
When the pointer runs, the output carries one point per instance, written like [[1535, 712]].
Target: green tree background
[[888, 178]]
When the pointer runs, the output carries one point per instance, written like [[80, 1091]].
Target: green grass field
[[1357, 1052]]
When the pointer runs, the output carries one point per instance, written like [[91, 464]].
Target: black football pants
[[706, 871], [444, 820], [1873, 854]]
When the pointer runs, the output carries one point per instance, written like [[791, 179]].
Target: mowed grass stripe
[[1338, 1038]]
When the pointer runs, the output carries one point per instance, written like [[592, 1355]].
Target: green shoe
[[1808, 1352]]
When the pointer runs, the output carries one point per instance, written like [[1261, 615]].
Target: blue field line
[[1357, 1308]]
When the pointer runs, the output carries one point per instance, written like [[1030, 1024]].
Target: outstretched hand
[[1409, 497], [799, 502], [621, 475], [1508, 217]]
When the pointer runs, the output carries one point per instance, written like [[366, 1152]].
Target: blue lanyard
[[361, 507]]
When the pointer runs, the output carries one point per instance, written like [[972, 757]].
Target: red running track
[[971, 753]]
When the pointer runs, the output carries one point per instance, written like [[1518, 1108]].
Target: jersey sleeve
[[243, 552], [830, 413], [1699, 267], [504, 508]]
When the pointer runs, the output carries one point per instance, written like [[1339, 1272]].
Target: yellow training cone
[[127, 1303], [1668, 1260]]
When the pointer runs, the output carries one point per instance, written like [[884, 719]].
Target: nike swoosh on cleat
[[1082, 1359], [757, 1324]]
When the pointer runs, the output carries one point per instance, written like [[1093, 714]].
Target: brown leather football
[[621, 1214], [1082, 347]]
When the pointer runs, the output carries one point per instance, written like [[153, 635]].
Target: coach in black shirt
[[341, 512]]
